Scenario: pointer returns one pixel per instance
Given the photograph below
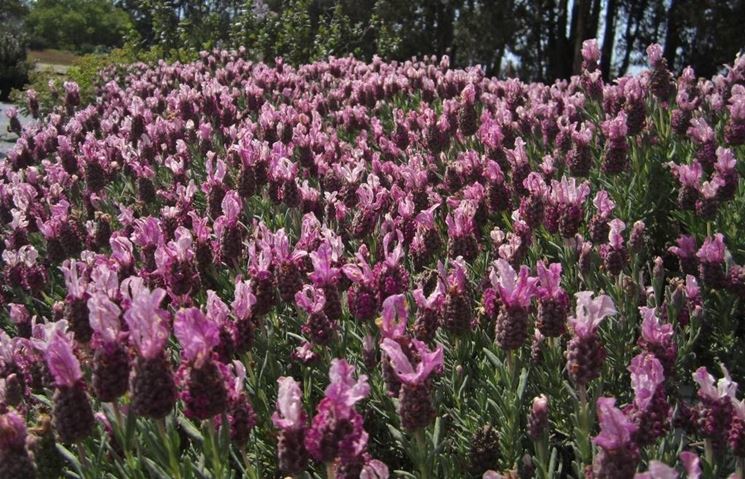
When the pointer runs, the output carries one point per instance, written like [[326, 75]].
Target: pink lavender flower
[[228, 230], [148, 324], [390, 275], [532, 206], [318, 326], [242, 307], [658, 339], [110, 361], [726, 172], [73, 415], [457, 314], [287, 266], [15, 460], [614, 253], [661, 80], [657, 470], [618, 455], [326, 276], [711, 258], [204, 392], [395, 316], [736, 434], [152, 385], [686, 251], [691, 463], [579, 157], [516, 292], [362, 296], [291, 420], [462, 232], [650, 409], [567, 199], [615, 155], [590, 55], [553, 301], [715, 412], [415, 400], [734, 133], [76, 310], [538, 417], [703, 136], [175, 262], [62, 363], [585, 351], [429, 311], [336, 429]]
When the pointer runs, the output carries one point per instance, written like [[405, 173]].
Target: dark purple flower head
[[336, 429]]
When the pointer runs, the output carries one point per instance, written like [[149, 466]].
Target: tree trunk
[[632, 23], [606, 55], [582, 12], [672, 35]]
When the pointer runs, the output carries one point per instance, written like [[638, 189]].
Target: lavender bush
[[347, 270]]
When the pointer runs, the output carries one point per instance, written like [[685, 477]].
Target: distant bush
[[84, 26], [13, 65]]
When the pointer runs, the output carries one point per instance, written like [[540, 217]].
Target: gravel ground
[[7, 139]]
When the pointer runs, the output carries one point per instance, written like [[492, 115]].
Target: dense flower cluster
[[216, 249]]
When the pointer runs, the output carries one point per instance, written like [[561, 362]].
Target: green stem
[[330, 474], [740, 468], [85, 465], [709, 451], [166, 438], [541, 452], [214, 439], [583, 436], [421, 454]]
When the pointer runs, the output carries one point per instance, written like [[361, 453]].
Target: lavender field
[[229, 269]]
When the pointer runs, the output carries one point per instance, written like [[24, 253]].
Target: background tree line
[[533, 39]]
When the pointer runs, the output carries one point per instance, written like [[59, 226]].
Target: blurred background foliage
[[532, 39]]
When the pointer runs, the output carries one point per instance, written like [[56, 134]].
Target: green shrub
[[13, 65], [79, 25]]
